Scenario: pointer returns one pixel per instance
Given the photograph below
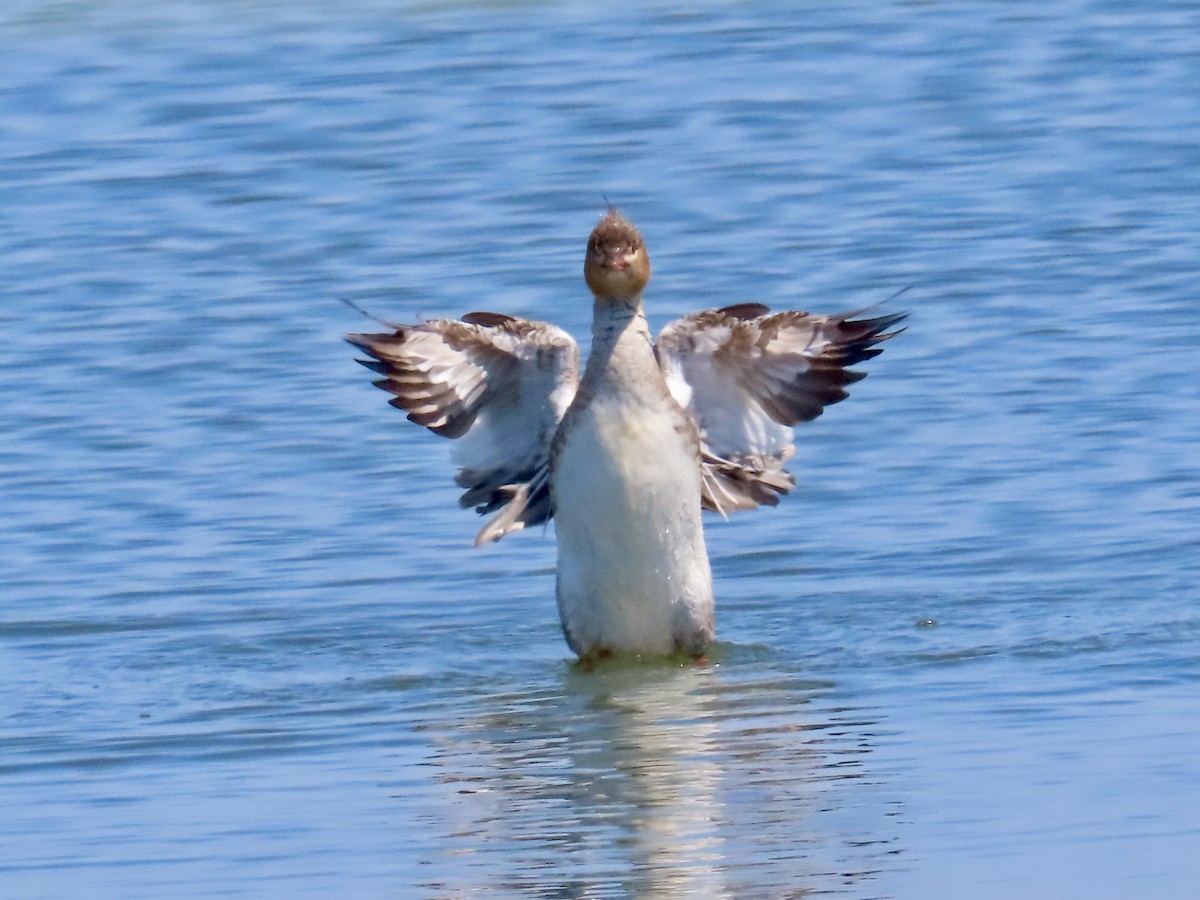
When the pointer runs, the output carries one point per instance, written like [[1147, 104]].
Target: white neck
[[622, 354]]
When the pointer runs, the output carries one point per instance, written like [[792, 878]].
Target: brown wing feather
[[747, 376], [795, 364], [447, 374]]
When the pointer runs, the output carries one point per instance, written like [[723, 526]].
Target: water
[[247, 647]]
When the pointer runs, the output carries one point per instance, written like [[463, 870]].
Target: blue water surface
[[246, 645]]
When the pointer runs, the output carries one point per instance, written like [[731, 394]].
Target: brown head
[[616, 266]]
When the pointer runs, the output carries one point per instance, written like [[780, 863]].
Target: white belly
[[633, 573]]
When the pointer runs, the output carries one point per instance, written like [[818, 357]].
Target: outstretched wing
[[747, 377], [497, 384]]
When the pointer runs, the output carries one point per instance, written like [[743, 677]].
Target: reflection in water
[[649, 763], [659, 781]]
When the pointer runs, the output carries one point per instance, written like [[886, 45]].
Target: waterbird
[[627, 457]]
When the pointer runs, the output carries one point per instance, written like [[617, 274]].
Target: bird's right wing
[[497, 384]]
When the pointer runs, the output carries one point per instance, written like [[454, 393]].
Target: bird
[[626, 456]]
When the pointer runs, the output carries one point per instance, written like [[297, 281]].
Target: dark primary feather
[[722, 364], [493, 381], [433, 404], [818, 351]]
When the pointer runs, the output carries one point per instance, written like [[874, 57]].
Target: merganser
[[625, 459]]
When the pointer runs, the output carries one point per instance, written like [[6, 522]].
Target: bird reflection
[[650, 780]]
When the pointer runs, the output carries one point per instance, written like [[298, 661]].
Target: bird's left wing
[[747, 377], [497, 384]]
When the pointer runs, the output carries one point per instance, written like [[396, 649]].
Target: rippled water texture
[[246, 645]]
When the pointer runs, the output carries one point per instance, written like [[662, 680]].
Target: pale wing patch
[[747, 377], [498, 384]]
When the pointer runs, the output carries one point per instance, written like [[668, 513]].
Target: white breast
[[633, 573]]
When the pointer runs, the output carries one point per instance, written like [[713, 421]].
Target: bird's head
[[617, 266]]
